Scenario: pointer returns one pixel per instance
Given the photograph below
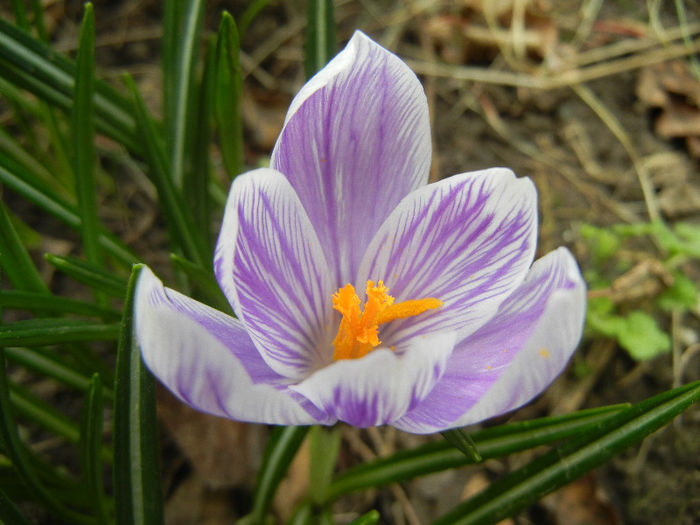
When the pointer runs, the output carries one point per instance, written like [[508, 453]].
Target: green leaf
[[33, 65], [96, 277], [603, 242], [52, 331], [492, 443], [15, 450], [682, 294], [91, 447], [9, 513], [319, 47], [137, 486], [178, 216], [227, 107], [570, 461], [83, 134], [279, 453], [254, 7], [15, 260], [462, 441], [34, 301], [46, 364], [24, 183], [324, 447], [180, 122], [642, 337], [369, 518], [205, 281]]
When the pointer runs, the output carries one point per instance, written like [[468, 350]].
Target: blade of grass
[[83, 133], [227, 107], [279, 453], [91, 448], [492, 443], [319, 47], [179, 219], [36, 66], [89, 274], [19, 455], [137, 487], [205, 282], [250, 13], [9, 513], [180, 123], [370, 518], [558, 467], [63, 371], [38, 332], [15, 260], [18, 299]]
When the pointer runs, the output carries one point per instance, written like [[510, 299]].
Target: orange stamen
[[358, 333]]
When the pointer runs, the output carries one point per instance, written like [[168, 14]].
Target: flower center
[[358, 330]]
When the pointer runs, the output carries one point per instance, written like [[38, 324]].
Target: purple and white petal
[[356, 140], [381, 386], [467, 240], [207, 359], [272, 268], [513, 357]]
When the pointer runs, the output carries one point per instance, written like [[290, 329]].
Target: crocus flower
[[362, 293]]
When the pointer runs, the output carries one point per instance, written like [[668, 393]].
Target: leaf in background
[[15, 260], [180, 123], [369, 518], [137, 485], [324, 448], [682, 294], [91, 447], [570, 461], [21, 460], [250, 13], [9, 513], [319, 47], [52, 331], [18, 299], [227, 107], [94, 276], [83, 135], [641, 336]]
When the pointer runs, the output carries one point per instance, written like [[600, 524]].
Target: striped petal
[[382, 386], [467, 240], [356, 140], [207, 359], [271, 266], [513, 357]]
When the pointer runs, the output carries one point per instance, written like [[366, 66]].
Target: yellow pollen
[[358, 333]]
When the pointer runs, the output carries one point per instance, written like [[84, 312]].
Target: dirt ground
[[584, 97]]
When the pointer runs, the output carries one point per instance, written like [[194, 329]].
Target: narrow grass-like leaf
[[34, 65], [15, 260], [9, 513], [280, 451], [20, 457], [369, 518], [20, 14], [205, 281], [138, 497], [563, 464], [227, 107], [39, 24], [250, 13], [196, 180], [172, 23], [91, 447], [45, 415], [83, 134], [18, 299], [319, 47], [492, 443], [62, 371], [462, 441], [179, 219], [35, 191], [324, 447], [180, 123], [89, 274], [37, 332]]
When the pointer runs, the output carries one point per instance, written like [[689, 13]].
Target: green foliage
[[637, 330], [50, 160]]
